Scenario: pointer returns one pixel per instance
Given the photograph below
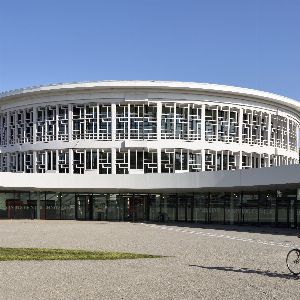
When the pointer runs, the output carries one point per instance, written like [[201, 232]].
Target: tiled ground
[[201, 262]]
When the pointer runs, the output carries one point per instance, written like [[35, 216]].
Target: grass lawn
[[64, 254]]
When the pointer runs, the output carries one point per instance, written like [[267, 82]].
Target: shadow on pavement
[[237, 228], [250, 271]]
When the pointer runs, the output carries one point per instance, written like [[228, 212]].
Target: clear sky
[[247, 43]]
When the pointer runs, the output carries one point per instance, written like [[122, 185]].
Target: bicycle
[[293, 261]]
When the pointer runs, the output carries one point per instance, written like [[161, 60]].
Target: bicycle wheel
[[293, 261]]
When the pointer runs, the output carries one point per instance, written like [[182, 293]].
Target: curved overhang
[[171, 86], [284, 177]]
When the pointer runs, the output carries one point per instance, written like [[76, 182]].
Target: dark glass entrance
[[286, 215], [250, 208], [270, 207], [135, 207], [84, 207], [112, 207]]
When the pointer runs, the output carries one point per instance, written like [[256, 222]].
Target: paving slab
[[202, 262]]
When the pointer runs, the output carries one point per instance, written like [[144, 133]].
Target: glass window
[[67, 206], [267, 207]]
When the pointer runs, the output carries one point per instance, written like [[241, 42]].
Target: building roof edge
[[176, 85]]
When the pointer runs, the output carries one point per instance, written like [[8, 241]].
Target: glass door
[[139, 207], [267, 207], [287, 208], [154, 207], [135, 207], [185, 205], [115, 207], [292, 213], [84, 207], [181, 208], [140, 202], [100, 207], [283, 212], [216, 208], [250, 204], [200, 211], [168, 208]]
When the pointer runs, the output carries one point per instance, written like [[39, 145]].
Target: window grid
[[139, 122]]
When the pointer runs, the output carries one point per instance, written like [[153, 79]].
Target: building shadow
[[263, 229], [250, 271]]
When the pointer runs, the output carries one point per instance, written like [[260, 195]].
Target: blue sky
[[250, 43]]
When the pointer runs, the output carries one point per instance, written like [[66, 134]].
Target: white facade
[[251, 180], [138, 127], [150, 151]]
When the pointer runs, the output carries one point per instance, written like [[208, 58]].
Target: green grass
[[65, 254]]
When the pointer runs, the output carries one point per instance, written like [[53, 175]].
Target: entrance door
[[293, 213], [250, 208], [216, 208], [184, 206], [282, 212], [135, 207], [286, 212], [84, 207], [100, 207], [139, 207], [200, 211]]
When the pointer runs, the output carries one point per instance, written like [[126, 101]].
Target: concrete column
[[84, 123], [16, 162], [240, 159], [251, 127], [158, 117], [229, 125], [240, 125], [45, 125], [56, 122], [128, 120], [113, 122], [227, 166], [46, 160], [113, 161], [98, 127], [56, 161], [297, 135], [188, 119], [203, 159], [34, 161], [217, 124], [71, 161], [158, 160], [8, 162], [174, 120], [216, 158], [8, 128], [97, 155], [203, 123], [288, 134], [70, 121], [221, 160], [269, 129], [34, 121]]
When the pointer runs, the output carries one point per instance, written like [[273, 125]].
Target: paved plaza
[[201, 262]]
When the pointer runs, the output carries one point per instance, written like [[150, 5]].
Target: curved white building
[[102, 139]]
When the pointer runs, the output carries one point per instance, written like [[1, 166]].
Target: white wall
[[252, 179]]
